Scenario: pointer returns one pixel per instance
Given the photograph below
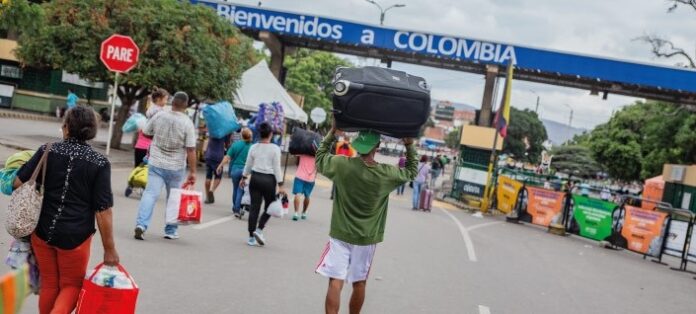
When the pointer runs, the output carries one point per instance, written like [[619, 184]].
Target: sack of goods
[[108, 290], [386, 101], [183, 206], [138, 177], [135, 122], [272, 113], [220, 119], [304, 142]]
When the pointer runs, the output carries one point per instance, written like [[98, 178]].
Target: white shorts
[[345, 261]]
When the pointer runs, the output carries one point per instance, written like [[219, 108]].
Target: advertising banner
[[691, 254], [676, 237], [507, 192], [642, 230], [544, 206], [593, 217], [473, 181]]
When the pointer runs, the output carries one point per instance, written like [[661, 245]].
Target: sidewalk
[[26, 115], [17, 133]]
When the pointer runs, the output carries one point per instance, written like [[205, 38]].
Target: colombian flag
[[502, 118]]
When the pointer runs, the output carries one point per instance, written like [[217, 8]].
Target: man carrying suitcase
[[359, 212]]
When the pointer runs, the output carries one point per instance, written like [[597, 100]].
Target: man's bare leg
[[358, 297], [296, 202], [333, 296], [216, 184], [306, 204]]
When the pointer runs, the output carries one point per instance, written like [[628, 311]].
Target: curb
[[12, 114]]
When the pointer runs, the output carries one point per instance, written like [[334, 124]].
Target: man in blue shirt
[[72, 99], [70, 102]]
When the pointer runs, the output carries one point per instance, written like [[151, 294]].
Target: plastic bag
[[246, 197], [183, 206], [108, 290], [133, 123], [220, 119], [304, 142], [276, 208], [138, 177]]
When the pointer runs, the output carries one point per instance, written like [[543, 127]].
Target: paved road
[[446, 261]]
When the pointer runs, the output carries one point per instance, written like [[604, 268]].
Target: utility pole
[[570, 122]]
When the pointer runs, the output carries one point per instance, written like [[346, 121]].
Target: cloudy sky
[[596, 27]]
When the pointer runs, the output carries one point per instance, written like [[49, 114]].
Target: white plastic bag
[[276, 208], [174, 204], [246, 197], [111, 277]]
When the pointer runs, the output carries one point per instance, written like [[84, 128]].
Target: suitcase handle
[[342, 87]]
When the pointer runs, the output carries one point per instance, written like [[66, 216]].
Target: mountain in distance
[[559, 133]]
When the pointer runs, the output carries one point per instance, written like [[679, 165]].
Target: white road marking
[[212, 223], [483, 225], [465, 235], [484, 309]]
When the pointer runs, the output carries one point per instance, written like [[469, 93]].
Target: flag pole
[[486, 201]]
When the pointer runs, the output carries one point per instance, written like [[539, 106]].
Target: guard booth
[[472, 169], [680, 186]]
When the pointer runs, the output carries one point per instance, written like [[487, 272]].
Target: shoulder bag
[[26, 201]]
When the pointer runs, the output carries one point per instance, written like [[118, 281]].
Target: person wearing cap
[[359, 212], [173, 146]]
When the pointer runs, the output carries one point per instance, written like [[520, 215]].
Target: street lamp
[[383, 11], [536, 110], [570, 119]]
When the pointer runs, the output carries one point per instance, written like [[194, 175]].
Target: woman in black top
[[77, 192]]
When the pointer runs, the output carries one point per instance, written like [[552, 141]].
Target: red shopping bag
[[96, 299], [190, 208]]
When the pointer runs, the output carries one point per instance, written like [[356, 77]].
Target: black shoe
[[139, 232]]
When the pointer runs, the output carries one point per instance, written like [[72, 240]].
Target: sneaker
[[129, 191], [237, 215], [304, 216], [171, 236], [295, 217], [252, 241], [139, 232], [258, 234]]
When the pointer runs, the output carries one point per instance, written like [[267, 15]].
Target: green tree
[[574, 159], [182, 47], [452, 139], [582, 139], [640, 138], [16, 15], [310, 73], [525, 124]]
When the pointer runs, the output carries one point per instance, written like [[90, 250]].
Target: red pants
[[61, 275]]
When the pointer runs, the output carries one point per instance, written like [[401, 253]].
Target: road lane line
[[465, 235], [212, 223], [484, 309], [483, 225]]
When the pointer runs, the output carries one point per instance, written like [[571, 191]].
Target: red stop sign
[[119, 53]]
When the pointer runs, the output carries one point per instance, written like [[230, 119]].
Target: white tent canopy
[[260, 86]]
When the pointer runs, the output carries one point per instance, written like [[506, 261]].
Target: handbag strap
[[41, 166]]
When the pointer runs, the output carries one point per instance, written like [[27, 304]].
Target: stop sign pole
[[119, 54]]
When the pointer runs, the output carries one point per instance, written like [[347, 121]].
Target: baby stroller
[[137, 180]]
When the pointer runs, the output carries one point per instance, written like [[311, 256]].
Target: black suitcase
[[389, 102], [303, 142]]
